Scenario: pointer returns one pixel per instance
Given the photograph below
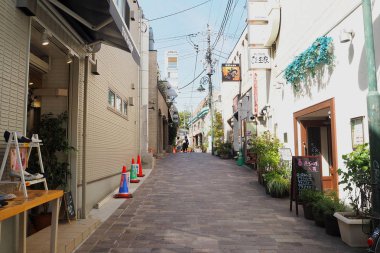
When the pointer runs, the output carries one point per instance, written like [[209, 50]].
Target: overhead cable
[[192, 80], [179, 11]]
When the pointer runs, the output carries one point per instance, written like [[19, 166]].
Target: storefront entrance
[[315, 135]]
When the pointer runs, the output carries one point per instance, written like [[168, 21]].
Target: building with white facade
[[323, 114], [171, 68]]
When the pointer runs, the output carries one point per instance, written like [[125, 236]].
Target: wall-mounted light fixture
[[346, 35], [45, 38], [131, 101], [265, 110], [69, 57], [94, 68]]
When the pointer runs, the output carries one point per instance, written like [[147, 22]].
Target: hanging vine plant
[[306, 64]]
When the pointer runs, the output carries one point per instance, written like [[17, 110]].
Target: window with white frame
[[119, 104], [125, 108], [111, 98]]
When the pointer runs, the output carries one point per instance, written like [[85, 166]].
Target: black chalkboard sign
[[306, 174], [67, 207]]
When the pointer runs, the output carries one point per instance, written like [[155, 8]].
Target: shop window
[[111, 98], [119, 103]]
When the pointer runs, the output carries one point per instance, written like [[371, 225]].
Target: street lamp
[[201, 88]]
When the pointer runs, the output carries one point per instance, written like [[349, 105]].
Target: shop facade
[[55, 59], [324, 114]]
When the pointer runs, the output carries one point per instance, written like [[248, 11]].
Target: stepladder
[[18, 152]]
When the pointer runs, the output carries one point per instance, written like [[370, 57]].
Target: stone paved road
[[198, 203]]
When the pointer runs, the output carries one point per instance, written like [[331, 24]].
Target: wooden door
[[316, 140]]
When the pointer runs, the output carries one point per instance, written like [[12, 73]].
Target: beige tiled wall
[[14, 31], [111, 138]]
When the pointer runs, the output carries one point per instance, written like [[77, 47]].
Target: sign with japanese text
[[306, 174], [259, 58], [230, 72]]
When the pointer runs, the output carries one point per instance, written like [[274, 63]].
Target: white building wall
[[229, 90], [144, 70], [302, 22]]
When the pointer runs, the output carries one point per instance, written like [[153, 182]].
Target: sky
[[170, 34]]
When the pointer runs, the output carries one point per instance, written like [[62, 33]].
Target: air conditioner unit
[[131, 101]]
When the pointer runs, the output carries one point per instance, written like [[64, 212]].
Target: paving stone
[[198, 203]]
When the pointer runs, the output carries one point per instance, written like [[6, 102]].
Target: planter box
[[351, 230], [331, 225]]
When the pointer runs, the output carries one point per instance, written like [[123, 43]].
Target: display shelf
[[18, 163]]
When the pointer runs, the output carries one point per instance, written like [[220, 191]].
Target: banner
[[230, 72]]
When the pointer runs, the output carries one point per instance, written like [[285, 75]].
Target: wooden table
[[20, 206]]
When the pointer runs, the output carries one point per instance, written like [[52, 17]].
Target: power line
[[179, 11], [224, 23], [192, 80]]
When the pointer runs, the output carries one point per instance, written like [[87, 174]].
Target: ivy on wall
[[304, 65]]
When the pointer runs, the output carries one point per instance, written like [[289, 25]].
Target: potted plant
[[279, 186], [332, 204], [308, 197], [266, 148], [357, 181], [267, 177], [54, 151], [225, 150]]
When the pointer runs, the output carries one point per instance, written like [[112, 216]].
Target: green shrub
[[266, 148], [357, 179], [310, 196], [278, 185]]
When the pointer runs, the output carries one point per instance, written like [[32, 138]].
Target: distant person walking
[[185, 145]]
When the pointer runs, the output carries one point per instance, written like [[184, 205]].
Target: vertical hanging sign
[[255, 96]]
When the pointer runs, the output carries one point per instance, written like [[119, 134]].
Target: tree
[[184, 117], [218, 129]]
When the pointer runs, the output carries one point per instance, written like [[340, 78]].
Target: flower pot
[[278, 195], [308, 211], [351, 229], [331, 225]]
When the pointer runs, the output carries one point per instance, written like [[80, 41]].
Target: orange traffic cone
[[174, 150], [134, 169], [124, 181], [140, 167]]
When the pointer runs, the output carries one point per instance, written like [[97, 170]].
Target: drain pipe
[[84, 138]]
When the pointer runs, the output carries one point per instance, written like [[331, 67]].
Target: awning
[[171, 92], [98, 21]]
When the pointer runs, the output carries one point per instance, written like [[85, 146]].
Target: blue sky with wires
[[188, 28]]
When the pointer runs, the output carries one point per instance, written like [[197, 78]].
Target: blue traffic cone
[[123, 190]]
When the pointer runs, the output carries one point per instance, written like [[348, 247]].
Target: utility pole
[[373, 109], [209, 73]]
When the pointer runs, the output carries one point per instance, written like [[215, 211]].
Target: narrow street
[[195, 202]]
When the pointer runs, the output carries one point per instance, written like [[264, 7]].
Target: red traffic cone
[[123, 190], [134, 169], [140, 167]]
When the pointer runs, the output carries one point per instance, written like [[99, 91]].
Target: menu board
[[306, 174], [67, 207]]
